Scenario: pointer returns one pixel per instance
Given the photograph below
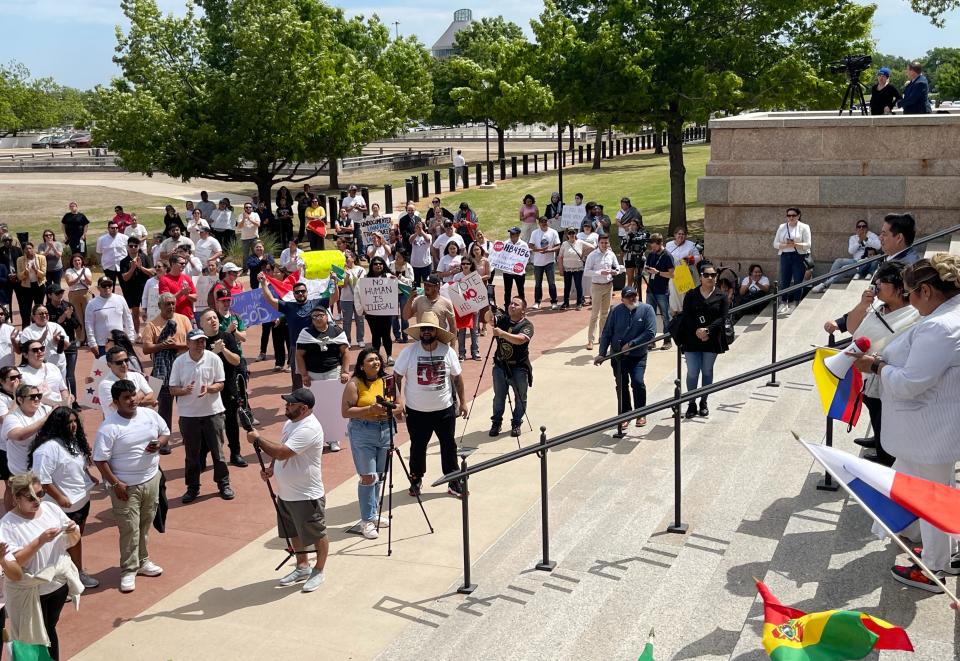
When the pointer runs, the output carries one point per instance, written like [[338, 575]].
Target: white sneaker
[[148, 568], [783, 309], [819, 289], [316, 580], [535, 306], [298, 575], [361, 345], [856, 276], [334, 446], [128, 582], [369, 529]]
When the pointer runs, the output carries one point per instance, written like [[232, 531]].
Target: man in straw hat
[[426, 374]]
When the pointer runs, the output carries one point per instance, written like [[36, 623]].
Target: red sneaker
[[914, 577]]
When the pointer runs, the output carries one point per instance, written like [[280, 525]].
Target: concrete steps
[[749, 497]]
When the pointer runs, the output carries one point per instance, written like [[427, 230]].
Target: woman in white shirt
[[37, 533], [753, 285], [193, 225], [249, 224], [21, 425], [793, 243], [9, 340], [45, 376], [420, 257], [51, 334], [150, 302], [378, 247], [588, 234], [79, 280], [291, 259], [348, 309], [449, 265], [919, 374], [222, 223], [60, 458]]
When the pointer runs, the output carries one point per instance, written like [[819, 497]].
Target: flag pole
[[895, 537]]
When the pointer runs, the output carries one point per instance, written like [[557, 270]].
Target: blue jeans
[[369, 444], [420, 273], [660, 302], [699, 362], [348, 311], [791, 273], [538, 273], [628, 373], [400, 325], [474, 343], [500, 385]]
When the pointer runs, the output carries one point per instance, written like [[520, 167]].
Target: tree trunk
[[657, 142], [571, 136], [501, 151], [678, 187], [264, 185], [597, 141], [334, 171]]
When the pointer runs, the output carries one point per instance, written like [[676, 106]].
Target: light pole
[[560, 159], [487, 122]]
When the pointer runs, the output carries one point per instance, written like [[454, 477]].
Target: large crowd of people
[[168, 347]]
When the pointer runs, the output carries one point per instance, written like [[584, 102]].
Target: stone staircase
[[750, 499]]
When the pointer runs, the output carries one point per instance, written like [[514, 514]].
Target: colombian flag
[[792, 635], [840, 397]]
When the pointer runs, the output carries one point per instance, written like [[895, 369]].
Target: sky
[[73, 41]]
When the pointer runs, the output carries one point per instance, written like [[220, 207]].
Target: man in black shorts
[[300, 495]]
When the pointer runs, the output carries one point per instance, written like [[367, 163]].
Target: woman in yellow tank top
[[369, 433]]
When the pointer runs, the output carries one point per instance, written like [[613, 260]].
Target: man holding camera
[[511, 363], [301, 500], [862, 244], [126, 454]]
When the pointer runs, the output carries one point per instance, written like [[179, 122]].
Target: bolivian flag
[[792, 635]]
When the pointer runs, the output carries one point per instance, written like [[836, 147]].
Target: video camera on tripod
[[853, 66], [636, 242]]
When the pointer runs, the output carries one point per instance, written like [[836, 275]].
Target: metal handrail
[[662, 405], [812, 282]]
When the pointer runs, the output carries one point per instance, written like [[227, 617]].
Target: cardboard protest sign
[[204, 284], [378, 296], [572, 216], [509, 257], [253, 308], [87, 392], [469, 295], [370, 225], [328, 395]]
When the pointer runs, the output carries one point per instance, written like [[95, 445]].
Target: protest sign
[[370, 225], [204, 284], [572, 216], [253, 308], [468, 295], [87, 392], [328, 395], [378, 296], [509, 257], [318, 263]]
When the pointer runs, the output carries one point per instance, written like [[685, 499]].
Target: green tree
[[948, 80], [256, 91], [710, 56], [30, 104], [934, 9], [496, 63], [445, 80]]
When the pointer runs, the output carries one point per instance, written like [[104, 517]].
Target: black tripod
[[853, 94], [388, 473]]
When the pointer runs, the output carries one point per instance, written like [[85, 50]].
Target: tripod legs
[[388, 472]]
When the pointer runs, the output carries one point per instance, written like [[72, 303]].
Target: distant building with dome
[[462, 18]]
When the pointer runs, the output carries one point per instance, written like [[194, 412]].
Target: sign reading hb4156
[[509, 257]]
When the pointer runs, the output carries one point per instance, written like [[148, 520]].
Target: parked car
[[81, 140], [45, 142]]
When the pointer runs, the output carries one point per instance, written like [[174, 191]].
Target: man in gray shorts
[[300, 494]]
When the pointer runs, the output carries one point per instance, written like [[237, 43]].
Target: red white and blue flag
[[893, 498]]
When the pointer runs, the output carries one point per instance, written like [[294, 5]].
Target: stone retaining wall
[[836, 169]]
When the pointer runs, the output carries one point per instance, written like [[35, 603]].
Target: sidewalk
[[219, 556]]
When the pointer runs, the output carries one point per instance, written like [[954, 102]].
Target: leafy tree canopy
[[248, 89], [31, 104]]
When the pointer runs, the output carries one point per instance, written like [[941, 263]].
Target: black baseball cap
[[300, 396], [432, 280]]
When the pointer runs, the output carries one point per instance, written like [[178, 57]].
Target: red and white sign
[[468, 295], [510, 257]]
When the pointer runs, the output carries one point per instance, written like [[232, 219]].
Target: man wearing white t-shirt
[[301, 500], [544, 244], [207, 248], [440, 243], [196, 379], [427, 373], [126, 454], [112, 247], [106, 312], [118, 363], [45, 376]]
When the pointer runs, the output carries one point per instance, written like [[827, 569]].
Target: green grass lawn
[[642, 178]]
